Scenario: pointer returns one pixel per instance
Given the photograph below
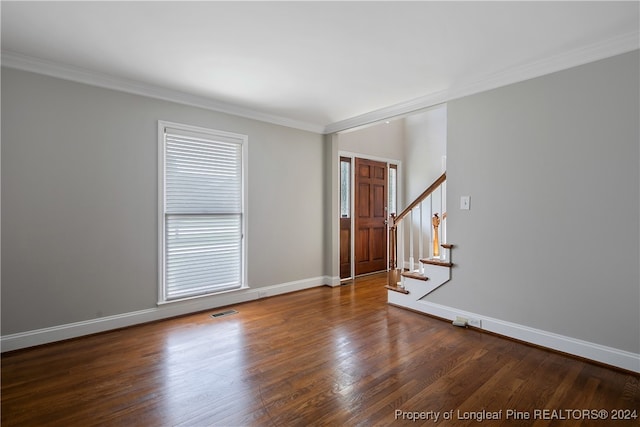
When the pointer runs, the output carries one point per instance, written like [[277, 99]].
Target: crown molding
[[573, 58], [93, 78], [583, 55]]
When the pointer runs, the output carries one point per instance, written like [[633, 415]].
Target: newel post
[[392, 241], [436, 245], [393, 250]]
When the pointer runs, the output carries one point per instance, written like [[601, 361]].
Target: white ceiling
[[319, 65]]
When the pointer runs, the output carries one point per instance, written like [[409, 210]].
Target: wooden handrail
[[442, 178], [394, 272]]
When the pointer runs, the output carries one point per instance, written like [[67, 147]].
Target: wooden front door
[[370, 236]]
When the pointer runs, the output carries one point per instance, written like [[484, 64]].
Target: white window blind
[[202, 212]]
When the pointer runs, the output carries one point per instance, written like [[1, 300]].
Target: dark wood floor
[[324, 356]]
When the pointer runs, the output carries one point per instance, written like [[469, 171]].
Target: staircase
[[416, 233]]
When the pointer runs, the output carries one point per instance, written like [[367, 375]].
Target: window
[[345, 187], [202, 188], [393, 189]]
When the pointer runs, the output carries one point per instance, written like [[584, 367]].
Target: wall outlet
[[476, 323], [460, 321]]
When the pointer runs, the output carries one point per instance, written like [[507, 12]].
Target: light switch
[[465, 202]]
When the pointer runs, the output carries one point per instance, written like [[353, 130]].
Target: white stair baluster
[[442, 222], [444, 215], [420, 242], [411, 240], [402, 248], [430, 237]]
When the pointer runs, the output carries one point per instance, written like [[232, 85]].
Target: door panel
[[379, 205], [371, 207], [345, 247], [379, 244], [362, 245], [363, 206]]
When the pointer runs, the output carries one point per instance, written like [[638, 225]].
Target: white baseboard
[[588, 350], [73, 330], [332, 281]]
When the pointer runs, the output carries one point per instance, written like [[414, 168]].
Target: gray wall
[[382, 140], [425, 144], [552, 237], [79, 200], [418, 140], [551, 240]]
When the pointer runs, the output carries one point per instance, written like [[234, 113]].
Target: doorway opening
[[412, 145], [368, 195]]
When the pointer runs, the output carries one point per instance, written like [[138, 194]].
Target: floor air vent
[[224, 313]]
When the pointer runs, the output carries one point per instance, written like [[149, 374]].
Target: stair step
[[436, 262], [396, 289], [415, 275]]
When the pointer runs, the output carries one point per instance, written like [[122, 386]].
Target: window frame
[[394, 167], [162, 241], [345, 197]]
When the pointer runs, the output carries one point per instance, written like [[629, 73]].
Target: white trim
[[73, 330], [388, 161], [352, 219], [588, 350], [342, 153], [161, 204], [162, 124], [94, 78], [352, 155], [583, 55], [334, 281]]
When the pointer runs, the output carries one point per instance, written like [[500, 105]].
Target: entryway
[[364, 216]]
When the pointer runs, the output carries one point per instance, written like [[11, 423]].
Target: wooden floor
[[324, 356]]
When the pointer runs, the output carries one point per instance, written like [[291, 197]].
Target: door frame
[[399, 189]]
